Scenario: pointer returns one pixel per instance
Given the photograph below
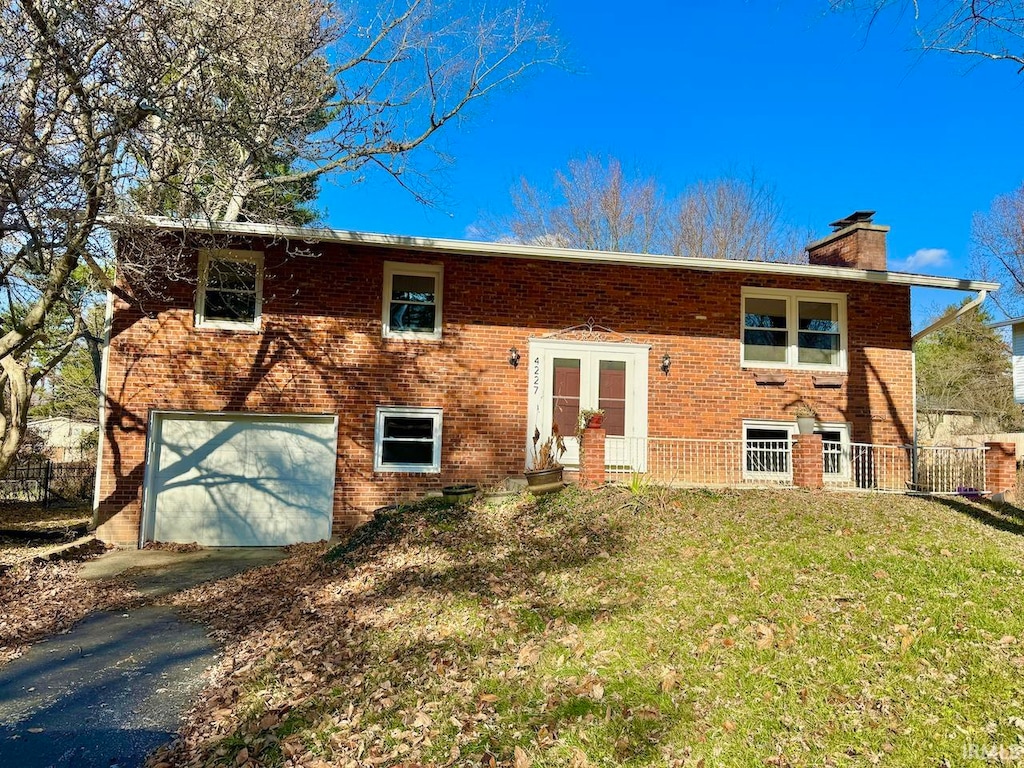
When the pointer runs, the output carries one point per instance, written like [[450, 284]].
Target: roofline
[[546, 253], [1005, 323]]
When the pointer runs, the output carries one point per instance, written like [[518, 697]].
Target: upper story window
[[230, 290], [412, 300], [793, 329]]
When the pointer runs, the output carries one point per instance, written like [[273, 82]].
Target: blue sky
[[836, 117]]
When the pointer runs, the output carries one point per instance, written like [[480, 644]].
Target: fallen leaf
[[669, 680], [520, 759]]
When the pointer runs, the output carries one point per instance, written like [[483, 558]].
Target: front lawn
[[649, 627]]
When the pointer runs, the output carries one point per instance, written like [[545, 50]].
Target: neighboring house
[[304, 378], [941, 426], [1016, 326], [66, 439]]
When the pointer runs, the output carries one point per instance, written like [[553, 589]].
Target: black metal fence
[[41, 481]]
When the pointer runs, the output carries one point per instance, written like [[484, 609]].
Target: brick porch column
[[1001, 469], [807, 461], [592, 462]]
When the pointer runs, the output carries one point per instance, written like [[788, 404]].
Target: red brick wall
[[320, 351]]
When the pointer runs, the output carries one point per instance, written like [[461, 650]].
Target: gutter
[[942, 322]]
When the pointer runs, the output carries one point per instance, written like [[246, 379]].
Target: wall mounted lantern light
[[666, 363], [513, 357]]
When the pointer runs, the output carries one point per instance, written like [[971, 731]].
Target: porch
[[806, 461]]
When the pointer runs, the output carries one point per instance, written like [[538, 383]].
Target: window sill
[[230, 327], [406, 470], [824, 369], [411, 337]]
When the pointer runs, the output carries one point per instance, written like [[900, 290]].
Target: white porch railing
[[950, 470], [869, 466], [684, 461]]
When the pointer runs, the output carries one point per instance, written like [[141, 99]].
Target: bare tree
[[735, 218], [221, 109], [599, 209], [997, 248], [597, 206], [981, 29]]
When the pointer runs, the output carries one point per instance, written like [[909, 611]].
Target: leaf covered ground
[[643, 627], [54, 524], [42, 599]]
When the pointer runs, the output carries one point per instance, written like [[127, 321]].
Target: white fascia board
[[1006, 323], [542, 253]]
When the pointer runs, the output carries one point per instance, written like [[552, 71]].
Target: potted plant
[[545, 472], [590, 419], [805, 418]]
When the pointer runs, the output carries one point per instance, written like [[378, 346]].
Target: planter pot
[[596, 421], [544, 481], [805, 425], [458, 494]]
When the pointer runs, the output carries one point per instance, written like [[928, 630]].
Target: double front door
[[569, 376]]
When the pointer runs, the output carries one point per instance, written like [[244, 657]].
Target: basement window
[[767, 450], [229, 294], [407, 440]]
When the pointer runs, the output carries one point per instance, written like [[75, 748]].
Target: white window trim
[[792, 299], [392, 268], [251, 257], [843, 428], [378, 439]]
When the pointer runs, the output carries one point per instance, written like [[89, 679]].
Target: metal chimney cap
[[857, 217]]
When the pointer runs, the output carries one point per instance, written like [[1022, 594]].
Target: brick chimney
[[855, 242]]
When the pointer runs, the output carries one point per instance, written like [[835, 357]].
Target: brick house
[[302, 378]]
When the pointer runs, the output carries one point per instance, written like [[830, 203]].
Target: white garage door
[[226, 480]]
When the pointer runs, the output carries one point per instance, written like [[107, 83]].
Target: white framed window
[[767, 450], [412, 300], [793, 329], [407, 440], [230, 290]]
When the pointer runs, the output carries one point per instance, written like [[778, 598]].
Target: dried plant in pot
[[545, 472], [806, 418]]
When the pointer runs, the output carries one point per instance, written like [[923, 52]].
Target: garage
[[234, 480]]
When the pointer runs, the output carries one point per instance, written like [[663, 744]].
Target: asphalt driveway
[[114, 688]]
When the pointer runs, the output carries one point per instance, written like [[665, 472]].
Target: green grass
[[643, 626]]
